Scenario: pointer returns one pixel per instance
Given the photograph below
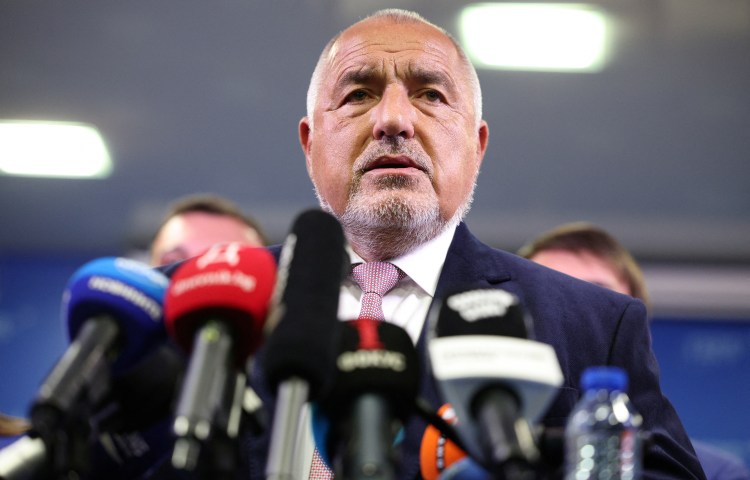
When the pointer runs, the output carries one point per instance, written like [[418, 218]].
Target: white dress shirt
[[407, 304]]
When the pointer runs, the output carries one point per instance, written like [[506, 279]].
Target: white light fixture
[[535, 36], [52, 149]]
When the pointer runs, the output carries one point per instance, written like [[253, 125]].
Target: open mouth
[[399, 162]]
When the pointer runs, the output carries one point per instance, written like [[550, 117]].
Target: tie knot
[[376, 277]]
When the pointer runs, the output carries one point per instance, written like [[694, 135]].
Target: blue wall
[[32, 334], [705, 364], [705, 367]]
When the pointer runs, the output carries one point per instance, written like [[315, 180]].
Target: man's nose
[[394, 114]]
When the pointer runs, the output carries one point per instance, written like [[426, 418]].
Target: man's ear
[[305, 140], [483, 137]]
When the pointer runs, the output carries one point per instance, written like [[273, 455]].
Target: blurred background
[[651, 142]]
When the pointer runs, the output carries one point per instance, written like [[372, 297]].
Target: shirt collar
[[423, 264]]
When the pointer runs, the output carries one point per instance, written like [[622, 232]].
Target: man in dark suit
[[393, 141]]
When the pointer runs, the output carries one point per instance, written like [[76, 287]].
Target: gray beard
[[394, 227], [390, 229]]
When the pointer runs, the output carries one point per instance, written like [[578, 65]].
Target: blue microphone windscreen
[[130, 292]]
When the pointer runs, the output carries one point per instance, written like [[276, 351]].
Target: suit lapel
[[470, 264]]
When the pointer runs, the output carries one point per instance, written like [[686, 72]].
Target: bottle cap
[[609, 378]]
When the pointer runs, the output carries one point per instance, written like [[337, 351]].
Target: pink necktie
[[375, 279], [319, 470]]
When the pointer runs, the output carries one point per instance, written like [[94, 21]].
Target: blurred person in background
[[192, 224], [196, 222], [588, 252]]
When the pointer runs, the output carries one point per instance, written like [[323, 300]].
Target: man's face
[[584, 266], [190, 234], [394, 122]]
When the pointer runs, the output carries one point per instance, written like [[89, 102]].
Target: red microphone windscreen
[[230, 283]]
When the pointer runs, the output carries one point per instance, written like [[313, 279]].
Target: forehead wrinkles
[[359, 61]]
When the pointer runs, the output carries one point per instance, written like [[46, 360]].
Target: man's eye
[[432, 96], [356, 96]]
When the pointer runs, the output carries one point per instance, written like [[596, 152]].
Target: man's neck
[[391, 243]]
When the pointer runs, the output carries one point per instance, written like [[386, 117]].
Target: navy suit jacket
[[587, 325]]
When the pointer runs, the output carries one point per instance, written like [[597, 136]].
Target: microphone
[[113, 312], [374, 390], [215, 307], [437, 452], [301, 328], [497, 379]]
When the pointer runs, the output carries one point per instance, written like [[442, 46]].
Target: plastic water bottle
[[602, 436]]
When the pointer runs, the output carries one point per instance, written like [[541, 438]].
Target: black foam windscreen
[[481, 312], [376, 375], [374, 357], [303, 320]]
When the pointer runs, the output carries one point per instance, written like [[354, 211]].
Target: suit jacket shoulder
[[587, 325]]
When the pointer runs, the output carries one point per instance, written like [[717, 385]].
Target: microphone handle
[[24, 459], [221, 456], [504, 434], [202, 393], [83, 362], [291, 397], [366, 448]]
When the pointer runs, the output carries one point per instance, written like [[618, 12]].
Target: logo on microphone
[[126, 292], [363, 359], [228, 253], [370, 352], [479, 304], [232, 278]]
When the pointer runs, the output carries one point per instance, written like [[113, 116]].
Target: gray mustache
[[398, 146]]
